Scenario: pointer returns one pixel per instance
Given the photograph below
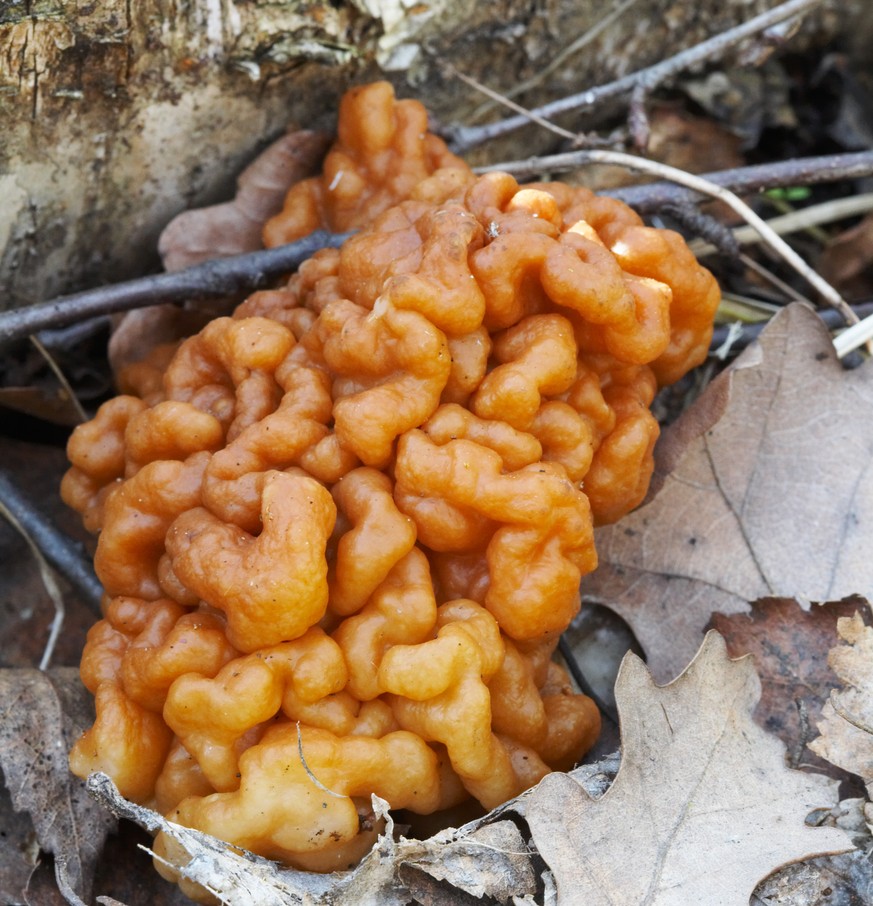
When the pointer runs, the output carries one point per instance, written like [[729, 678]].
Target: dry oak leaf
[[847, 719], [762, 489], [790, 647], [483, 859], [235, 226], [703, 806], [41, 714]]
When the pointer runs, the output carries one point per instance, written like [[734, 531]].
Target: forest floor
[[788, 548]]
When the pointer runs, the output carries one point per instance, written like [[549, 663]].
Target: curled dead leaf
[[847, 719], [217, 231], [41, 713]]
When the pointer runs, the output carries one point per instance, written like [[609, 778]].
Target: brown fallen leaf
[[845, 263], [762, 489], [790, 647], [40, 716], [847, 719], [703, 806], [48, 403], [235, 226]]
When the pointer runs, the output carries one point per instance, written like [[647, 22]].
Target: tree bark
[[117, 114]]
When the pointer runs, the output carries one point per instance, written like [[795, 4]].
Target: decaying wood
[[117, 116]]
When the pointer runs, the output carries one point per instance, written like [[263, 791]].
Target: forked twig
[[463, 138]]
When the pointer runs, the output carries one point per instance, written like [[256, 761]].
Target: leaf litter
[[41, 714], [762, 489], [714, 752], [703, 806], [790, 647], [847, 719]]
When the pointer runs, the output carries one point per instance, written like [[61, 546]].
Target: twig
[[496, 96], [704, 187], [220, 277], [582, 681], [766, 274], [256, 268], [832, 319], [59, 551], [61, 377], [804, 171], [463, 138], [802, 219], [229, 275]]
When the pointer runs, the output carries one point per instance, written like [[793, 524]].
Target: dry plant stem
[[464, 138], [308, 770], [765, 274], [60, 552], [529, 115], [59, 374], [796, 221], [704, 187], [220, 277], [853, 337], [804, 171]]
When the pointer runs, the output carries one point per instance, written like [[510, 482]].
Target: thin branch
[[61, 377], [503, 99], [463, 138], [704, 187], [59, 551], [766, 274], [803, 171], [256, 268], [797, 221], [220, 277], [747, 333]]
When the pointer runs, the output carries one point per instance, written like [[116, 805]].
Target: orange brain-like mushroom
[[343, 528]]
